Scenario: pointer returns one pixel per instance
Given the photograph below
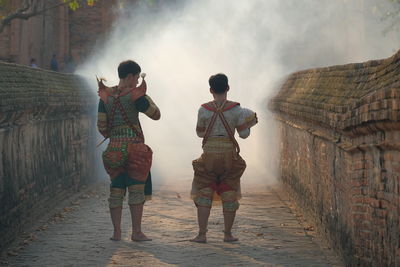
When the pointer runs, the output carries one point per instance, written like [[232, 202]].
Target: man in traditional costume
[[127, 159], [217, 172]]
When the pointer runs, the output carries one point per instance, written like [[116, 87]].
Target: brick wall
[[71, 35], [47, 129], [39, 37], [88, 27], [340, 155]]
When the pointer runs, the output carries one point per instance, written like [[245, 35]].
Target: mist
[[256, 43]]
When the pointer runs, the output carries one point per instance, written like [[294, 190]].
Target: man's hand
[[139, 91]]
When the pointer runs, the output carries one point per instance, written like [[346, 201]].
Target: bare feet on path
[[228, 237], [139, 236], [116, 236], [200, 238]]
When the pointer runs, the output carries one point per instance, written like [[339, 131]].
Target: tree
[[31, 8]]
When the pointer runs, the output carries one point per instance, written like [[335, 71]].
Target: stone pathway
[[78, 235]]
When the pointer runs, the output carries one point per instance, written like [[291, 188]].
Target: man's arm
[[102, 119], [247, 119], [201, 125], [146, 105]]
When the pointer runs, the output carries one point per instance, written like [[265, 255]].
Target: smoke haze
[[256, 43]]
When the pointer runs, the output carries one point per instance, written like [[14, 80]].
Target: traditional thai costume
[[127, 159], [217, 172]]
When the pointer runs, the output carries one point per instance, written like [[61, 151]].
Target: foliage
[[5, 7], [32, 8], [75, 4]]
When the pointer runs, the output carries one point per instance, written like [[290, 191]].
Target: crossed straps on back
[[117, 104], [218, 111]]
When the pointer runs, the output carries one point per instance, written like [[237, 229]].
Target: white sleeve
[[247, 119], [201, 126]]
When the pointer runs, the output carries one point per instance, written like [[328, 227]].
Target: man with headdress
[[127, 159]]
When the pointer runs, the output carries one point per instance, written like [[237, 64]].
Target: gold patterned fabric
[[217, 177], [152, 111], [218, 171], [116, 198], [136, 194], [102, 123]]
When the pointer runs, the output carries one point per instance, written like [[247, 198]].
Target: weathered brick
[[373, 202], [357, 173], [44, 125], [360, 208], [382, 213], [70, 35]]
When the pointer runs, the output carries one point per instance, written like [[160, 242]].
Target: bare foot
[[229, 237], [139, 236], [200, 238], [116, 236]]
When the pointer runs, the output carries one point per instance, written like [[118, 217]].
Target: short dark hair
[[219, 83], [128, 67]]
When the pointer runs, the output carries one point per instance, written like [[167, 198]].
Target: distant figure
[[54, 63], [33, 63]]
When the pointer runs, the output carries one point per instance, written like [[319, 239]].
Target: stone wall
[[340, 155], [47, 140]]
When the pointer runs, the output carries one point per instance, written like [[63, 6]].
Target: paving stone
[[269, 233]]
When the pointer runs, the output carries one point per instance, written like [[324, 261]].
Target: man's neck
[[220, 97], [125, 84]]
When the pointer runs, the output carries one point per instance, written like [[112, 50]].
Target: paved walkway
[[78, 235]]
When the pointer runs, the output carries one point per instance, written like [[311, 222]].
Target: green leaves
[[5, 7], [75, 4]]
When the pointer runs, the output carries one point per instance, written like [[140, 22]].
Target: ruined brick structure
[[70, 35], [340, 155], [47, 139]]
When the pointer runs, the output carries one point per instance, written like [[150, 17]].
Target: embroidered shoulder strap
[[219, 112], [117, 105], [209, 127], [212, 107]]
